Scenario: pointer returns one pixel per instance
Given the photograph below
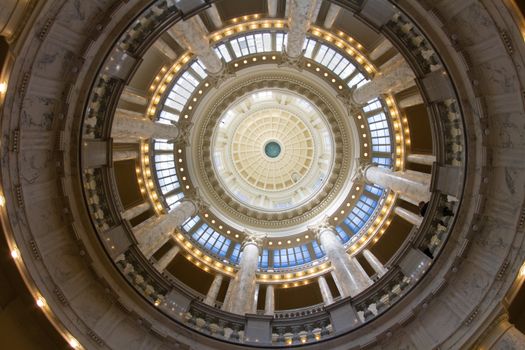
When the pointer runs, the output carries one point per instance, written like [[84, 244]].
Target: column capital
[[193, 197], [222, 75], [321, 227], [364, 165], [184, 127], [353, 108], [292, 62], [254, 238]]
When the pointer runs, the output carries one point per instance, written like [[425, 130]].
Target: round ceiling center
[[272, 149]]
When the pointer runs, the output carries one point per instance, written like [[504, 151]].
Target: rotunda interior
[[234, 174]]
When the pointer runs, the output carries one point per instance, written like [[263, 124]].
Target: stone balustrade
[[383, 295], [414, 42], [305, 311], [142, 279], [98, 206], [287, 326]]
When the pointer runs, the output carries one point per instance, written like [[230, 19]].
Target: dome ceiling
[[265, 153], [260, 165]]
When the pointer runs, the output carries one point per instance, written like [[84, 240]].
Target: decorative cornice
[[204, 168]]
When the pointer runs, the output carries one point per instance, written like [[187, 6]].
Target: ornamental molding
[[203, 167]]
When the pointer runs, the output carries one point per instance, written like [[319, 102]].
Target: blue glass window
[[288, 257], [188, 224], [234, 258], [382, 161], [374, 189], [357, 80], [380, 133], [263, 259], [343, 236], [317, 250], [360, 213], [210, 239]]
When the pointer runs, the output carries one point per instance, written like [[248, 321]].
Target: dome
[[244, 174]]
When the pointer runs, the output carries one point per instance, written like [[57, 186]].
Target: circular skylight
[[273, 150]]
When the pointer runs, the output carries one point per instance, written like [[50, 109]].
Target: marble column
[[409, 216], [331, 16], [378, 267], [502, 335], [269, 302], [425, 159], [130, 129], [214, 15], [336, 282], [167, 258], [326, 294], [411, 184], [164, 48], [132, 96], [302, 14], [211, 297], [272, 8], [154, 235], [124, 155], [242, 295], [409, 199], [135, 211], [349, 274], [412, 100], [255, 298], [192, 34], [380, 49], [398, 77], [227, 297]]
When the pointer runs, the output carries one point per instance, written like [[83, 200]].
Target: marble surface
[[48, 213]]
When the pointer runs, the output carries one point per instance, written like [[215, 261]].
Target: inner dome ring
[[225, 206], [304, 156]]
